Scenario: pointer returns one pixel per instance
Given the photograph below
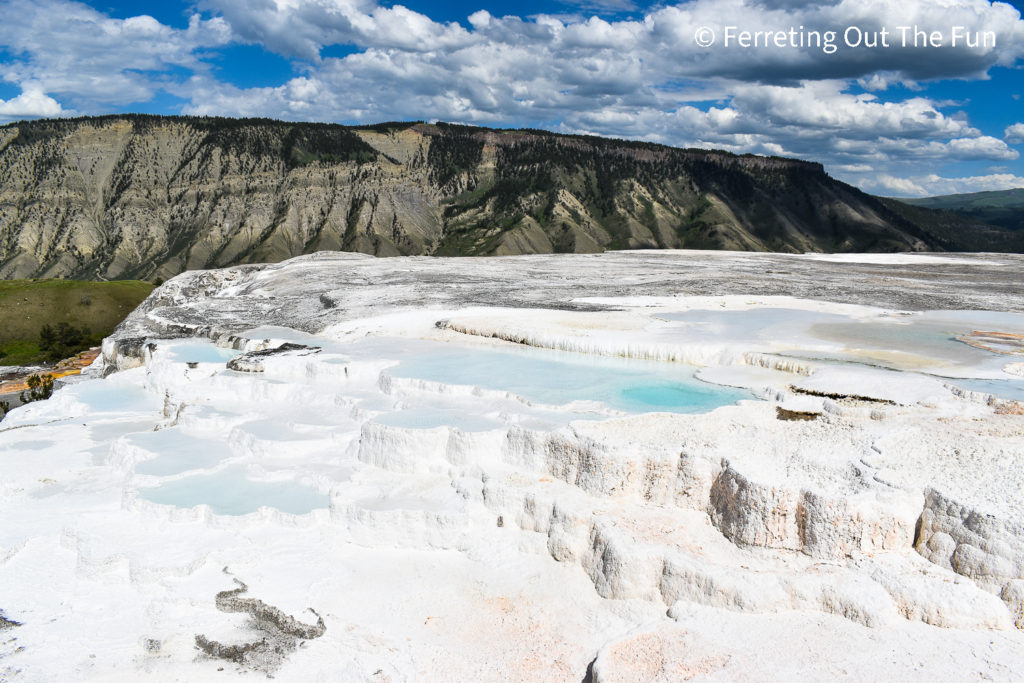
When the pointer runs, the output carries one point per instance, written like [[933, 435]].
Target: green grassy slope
[[1004, 208], [958, 231], [27, 305]]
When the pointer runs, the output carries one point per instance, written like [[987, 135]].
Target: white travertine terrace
[[845, 503]]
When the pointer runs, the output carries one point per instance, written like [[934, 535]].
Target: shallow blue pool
[[179, 452], [558, 378], [1012, 389], [103, 396], [199, 352], [228, 492], [930, 334]]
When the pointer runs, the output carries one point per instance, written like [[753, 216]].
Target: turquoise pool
[[558, 378]]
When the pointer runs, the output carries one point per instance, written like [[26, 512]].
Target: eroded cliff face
[[149, 197]]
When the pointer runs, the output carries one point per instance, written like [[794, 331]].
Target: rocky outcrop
[[252, 361], [279, 633], [972, 543], [148, 197]]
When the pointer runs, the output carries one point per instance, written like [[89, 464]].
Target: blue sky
[[896, 118]]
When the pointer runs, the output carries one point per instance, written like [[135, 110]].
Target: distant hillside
[[146, 197], [968, 234], [1003, 208]]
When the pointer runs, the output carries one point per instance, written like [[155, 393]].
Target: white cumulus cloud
[[94, 61], [31, 103], [1014, 134], [933, 184], [642, 77]]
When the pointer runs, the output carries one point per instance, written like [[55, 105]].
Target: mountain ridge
[[140, 196], [1001, 208]]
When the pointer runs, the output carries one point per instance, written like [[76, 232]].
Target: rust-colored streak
[[66, 367], [1007, 343]]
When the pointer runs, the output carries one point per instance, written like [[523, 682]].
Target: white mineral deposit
[[615, 467]]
